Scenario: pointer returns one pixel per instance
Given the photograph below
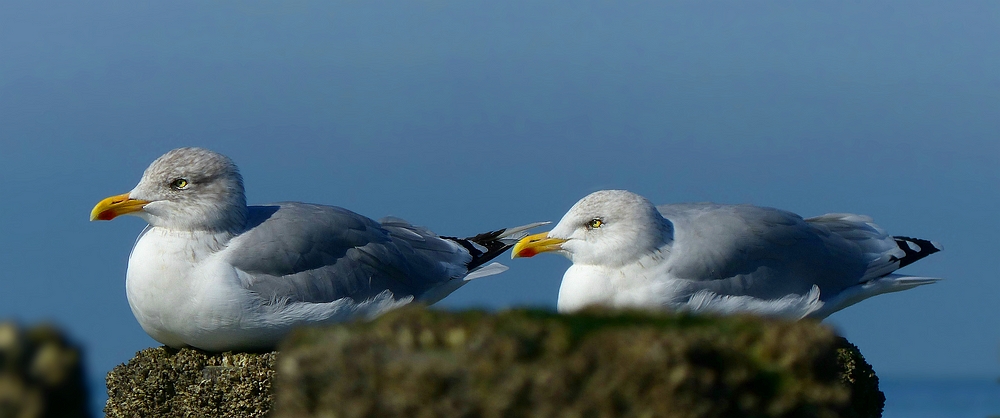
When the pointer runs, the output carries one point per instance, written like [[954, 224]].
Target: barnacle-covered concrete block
[[415, 362], [163, 382], [421, 363]]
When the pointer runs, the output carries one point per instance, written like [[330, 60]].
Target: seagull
[[705, 257], [212, 273]]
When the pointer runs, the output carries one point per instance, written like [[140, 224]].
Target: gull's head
[[608, 227], [184, 189]]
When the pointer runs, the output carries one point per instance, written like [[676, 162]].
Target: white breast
[[641, 287], [184, 293], [631, 286], [176, 291]]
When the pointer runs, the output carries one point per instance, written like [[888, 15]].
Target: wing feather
[[744, 250], [297, 252]]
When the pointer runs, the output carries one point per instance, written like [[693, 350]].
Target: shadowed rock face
[[41, 374], [419, 363], [866, 398]]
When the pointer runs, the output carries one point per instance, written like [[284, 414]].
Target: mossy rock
[[419, 363], [163, 382], [415, 362], [41, 374], [867, 400]]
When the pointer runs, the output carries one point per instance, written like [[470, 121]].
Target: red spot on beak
[[115, 206], [106, 215], [527, 252]]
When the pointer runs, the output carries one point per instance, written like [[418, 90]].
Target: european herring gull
[[213, 273], [628, 253]]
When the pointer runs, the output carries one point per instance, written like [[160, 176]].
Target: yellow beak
[[114, 206], [531, 245]]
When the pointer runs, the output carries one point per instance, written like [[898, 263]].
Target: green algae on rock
[[415, 362], [41, 374], [867, 400], [163, 382]]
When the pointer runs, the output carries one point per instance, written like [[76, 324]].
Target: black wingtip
[[474, 245], [923, 249]]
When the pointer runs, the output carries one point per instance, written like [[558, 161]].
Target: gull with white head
[[628, 253], [212, 273]]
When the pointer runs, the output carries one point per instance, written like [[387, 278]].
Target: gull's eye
[[179, 184], [594, 223]]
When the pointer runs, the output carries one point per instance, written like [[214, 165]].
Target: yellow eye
[[179, 184], [595, 223]]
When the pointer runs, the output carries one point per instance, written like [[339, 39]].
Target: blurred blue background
[[466, 116]]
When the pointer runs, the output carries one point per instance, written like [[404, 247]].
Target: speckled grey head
[[192, 189], [611, 227]]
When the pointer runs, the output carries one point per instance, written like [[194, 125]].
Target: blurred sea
[[905, 398], [941, 398]]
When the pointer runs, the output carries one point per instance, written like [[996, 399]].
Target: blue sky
[[466, 116]]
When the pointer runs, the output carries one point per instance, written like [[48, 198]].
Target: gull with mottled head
[[212, 273], [628, 253]]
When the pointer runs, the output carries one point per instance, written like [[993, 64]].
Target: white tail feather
[[487, 270], [888, 284], [519, 232]]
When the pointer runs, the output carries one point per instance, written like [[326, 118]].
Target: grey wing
[[762, 252], [296, 252]]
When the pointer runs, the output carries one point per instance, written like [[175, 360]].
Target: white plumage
[[628, 253], [213, 273]]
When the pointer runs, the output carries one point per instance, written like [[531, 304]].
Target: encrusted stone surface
[[866, 399], [163, 382], [420, 363], [416, 362]]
